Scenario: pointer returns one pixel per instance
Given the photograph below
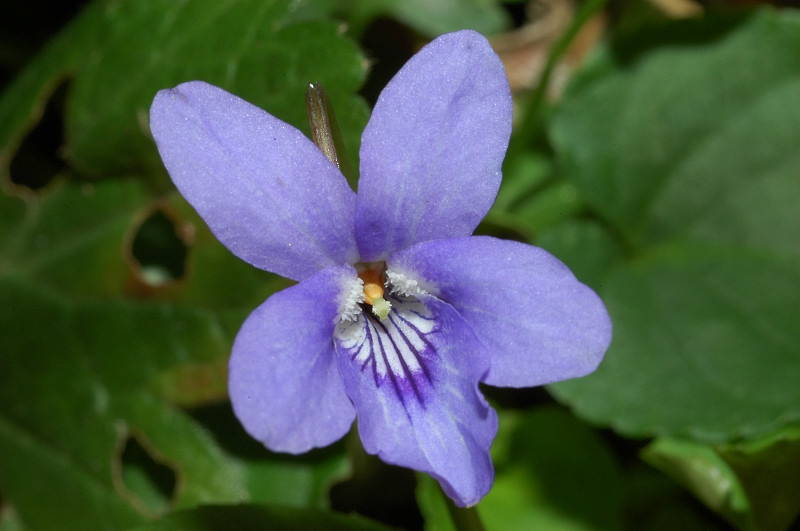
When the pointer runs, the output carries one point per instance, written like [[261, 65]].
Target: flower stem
[[464, 519], [530, 112]]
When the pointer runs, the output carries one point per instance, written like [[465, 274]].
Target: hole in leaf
[[148, 484], [518, 13], [26, 29], [159, 250], [38, 157]]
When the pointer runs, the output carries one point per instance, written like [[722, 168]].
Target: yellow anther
[[373, 291], [373, 284]]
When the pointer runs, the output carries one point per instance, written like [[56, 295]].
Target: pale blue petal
[[432, 151], [284, 381], [264, 189], [539, 324]]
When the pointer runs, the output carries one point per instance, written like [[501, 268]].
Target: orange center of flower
[[373, 284], [372, 277]]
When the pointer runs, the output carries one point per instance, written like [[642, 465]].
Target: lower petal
[[413, 378], [284, 382], [538, 322]]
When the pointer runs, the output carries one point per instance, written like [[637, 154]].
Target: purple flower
[[398, 312]]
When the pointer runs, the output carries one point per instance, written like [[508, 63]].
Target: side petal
[[413, 378], [265, 190], [432, 150], [538, 322], [283, 378]]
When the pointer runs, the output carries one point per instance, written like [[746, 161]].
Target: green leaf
[[654, 501], [74, 490], [701, 470], [23, 102], [250, 48], [97, 356], [522, 175], [767, 469], [259, 517], [434, 17], [87, 365], [585, 246], [753, 484], [75, 377], [297, 481], [517, 204], [636, 133], [119, 54], [703, 347], [70, 237], [688, 151]]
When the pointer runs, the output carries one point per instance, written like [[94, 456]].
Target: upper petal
[[413, 378], [538, 322], [432, 150], [264, 189], [284, 382]]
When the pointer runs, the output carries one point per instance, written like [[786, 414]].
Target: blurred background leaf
[[118, 306], [751, 483], [666, 177], [85, 373], [432, 17], [117, 55], [687, 150], [256, 518], [701, 469]]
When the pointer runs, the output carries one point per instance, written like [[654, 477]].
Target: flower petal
[[413, 378], [432, 150], [264, 189], [539, 324], [284, 382]]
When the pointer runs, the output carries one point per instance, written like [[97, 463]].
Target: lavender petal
[[413, 379], [432, 150], [284, 381], [265, 190], [538, 323]]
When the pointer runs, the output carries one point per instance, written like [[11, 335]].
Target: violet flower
[[398, 312]]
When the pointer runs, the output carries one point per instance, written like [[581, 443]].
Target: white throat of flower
[[402, 284], [352, 298], [369, 288]]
